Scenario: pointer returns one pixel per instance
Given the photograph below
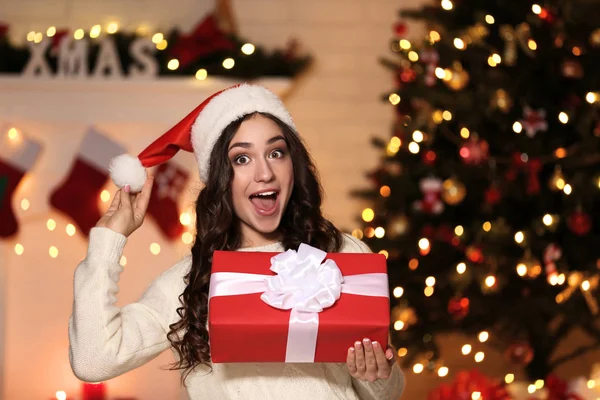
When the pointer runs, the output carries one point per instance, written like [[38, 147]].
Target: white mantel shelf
[[89, 101]]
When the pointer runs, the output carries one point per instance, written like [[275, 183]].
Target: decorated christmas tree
[[486, 199]]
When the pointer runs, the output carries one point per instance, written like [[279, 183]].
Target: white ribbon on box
[[304, 284]]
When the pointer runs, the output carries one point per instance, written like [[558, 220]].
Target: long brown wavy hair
[[218, 228]]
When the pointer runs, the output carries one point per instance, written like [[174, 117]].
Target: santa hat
[[198, 132]]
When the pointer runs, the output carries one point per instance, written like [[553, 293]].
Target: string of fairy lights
[[457, 78], [158, 38], [186, 217]]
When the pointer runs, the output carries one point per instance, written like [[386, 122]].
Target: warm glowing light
[[398, 325], [60, 395], [162, 45], [428, 291], [466, 349], [563, 117], [413, 147], [19, 249], [248, 49], [531, 389], [30, 36], [509, 378], [368, 215], [402, 351], [357, 233], [461, 268], [521, 269], [413, 56], [405, 44], [187, 237], [561, 279], [413, 264], [459, 44], [173, 64], [490, 19], [476, 396], [492, 62], [519, 237], [517, 127], [459, 230], [398, 292], [228, 63], [547, 219], [434, 36], [123, 261], [113, 27], [591, 384], [379, 232], [105, 196], [38, 37], [443, 371], [78, 34], [487, 226], [53, 251], [95, 31], [490, 281], [430, 281], [447, 115], [447, 5], [591, 97], [479, 356], [51, 31], [568, 189], [496, 57], [201, 74], [423, 244], [585, 285], [483, 336], [25, 204], [155, 248], [536, 9], [418, 368], [532, 44], [539, 384], [385, 191], [70, 229], [394, 99], [464, 133], [418, 136], [157, 38], [561, 152], [51, 224], [185, 219]]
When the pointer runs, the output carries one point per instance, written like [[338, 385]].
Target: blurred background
[[459, 138]]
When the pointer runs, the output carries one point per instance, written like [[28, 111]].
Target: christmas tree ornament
[[431, 58], [453, 191], [431, 203], [529, 267], [77, 195], [458, 308], [579, 222], [400, 29], [534, 121], [398, 226], [501, 100], [429, 157], [577, 281], [572, 69], [474, 254], [169, 183], [475, 151], [552, 253], [531, 166], [557, 180], [595, 38], [493, 195], [519, 353], [18, 154], [456, 78]]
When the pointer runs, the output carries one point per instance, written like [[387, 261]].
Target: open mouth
[[265, 201]]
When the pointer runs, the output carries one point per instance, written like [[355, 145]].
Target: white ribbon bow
[[303, 282]]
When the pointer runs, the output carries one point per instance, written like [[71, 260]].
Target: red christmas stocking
[[17, 156], [169, 183], [78, 195]]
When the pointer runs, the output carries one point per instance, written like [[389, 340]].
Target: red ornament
[[552, 253], [493, 195], [579, 222], [458, 307], [474, 151], [429, 157], [400, 28], [474, 254], [534, 121], [519, 353]]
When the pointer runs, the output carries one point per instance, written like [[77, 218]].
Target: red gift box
[[243, 328]]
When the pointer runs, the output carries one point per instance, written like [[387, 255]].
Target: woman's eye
[[277, 154], [240, 160]]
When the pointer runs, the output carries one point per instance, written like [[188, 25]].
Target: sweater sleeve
[[106, 341], [382, 389]]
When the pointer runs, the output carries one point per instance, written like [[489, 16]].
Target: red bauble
[[580, 223], [429, 157], [492, 195], [458, 307], [519, 353], [400, 28], [474, 254]]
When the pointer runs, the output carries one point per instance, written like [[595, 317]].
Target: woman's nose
[[264, 172]]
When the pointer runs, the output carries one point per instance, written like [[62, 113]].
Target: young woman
[[261, 194]]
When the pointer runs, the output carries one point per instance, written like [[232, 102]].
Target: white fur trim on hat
[[127, 170], [227, 107]]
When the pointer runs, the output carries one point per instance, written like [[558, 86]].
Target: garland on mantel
[[204, 49]]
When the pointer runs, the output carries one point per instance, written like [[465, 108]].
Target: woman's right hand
[[127, 211]]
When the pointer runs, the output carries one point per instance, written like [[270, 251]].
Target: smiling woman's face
[[263, 179]]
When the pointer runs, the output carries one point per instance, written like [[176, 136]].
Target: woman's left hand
[[368, 361]]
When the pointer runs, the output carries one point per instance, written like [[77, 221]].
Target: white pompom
[[127, 170]]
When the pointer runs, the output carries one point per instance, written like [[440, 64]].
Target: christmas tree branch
[[576, 353]]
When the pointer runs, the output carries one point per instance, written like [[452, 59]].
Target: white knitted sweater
[[107, 341]]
